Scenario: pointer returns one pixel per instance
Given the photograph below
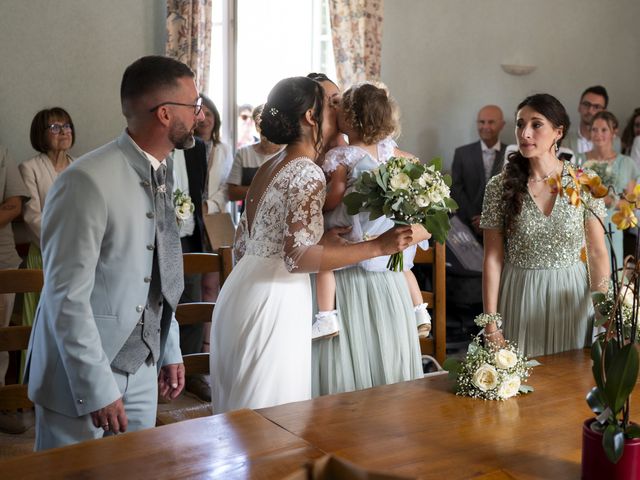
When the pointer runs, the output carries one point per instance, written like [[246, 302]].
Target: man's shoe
[[16, 422], [198, 385]]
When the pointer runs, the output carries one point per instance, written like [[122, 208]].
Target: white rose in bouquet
[[400, 181], [435, 196], [422, 201], [509, 386], [485, 378], [505, 359]]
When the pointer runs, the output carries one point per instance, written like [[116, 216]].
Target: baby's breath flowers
[[408, 192]]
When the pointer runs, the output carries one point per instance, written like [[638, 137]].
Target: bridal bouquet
[[491, 373], [183, 205], [408, 192]]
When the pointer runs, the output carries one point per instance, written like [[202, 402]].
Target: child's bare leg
[[423, 319], [326, 323]]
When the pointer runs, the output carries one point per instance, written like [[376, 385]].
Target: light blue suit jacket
[[97, 233]]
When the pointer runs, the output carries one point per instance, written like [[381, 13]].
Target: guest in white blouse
[[52, 135]]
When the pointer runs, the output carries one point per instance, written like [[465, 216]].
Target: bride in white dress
[[261, 333]]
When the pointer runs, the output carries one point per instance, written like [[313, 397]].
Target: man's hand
[[171, 380], [112, 417]]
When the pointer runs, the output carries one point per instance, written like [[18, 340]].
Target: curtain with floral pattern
[[357, 39], [189, 36]]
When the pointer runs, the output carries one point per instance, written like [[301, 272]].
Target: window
[[273, 39]]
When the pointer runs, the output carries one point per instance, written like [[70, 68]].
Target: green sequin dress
[[544, 292]]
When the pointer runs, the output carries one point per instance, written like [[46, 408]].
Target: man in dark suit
[[191, 172], [474, 164]]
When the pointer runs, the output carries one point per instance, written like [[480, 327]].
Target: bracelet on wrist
[[495, 332], [485, 319]]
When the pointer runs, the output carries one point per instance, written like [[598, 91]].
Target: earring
[[557, 147]]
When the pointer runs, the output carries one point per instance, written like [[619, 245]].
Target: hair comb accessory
[[274, 111]]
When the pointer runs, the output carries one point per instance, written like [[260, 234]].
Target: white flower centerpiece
[[408, 192], [490, 372], [183, 205]]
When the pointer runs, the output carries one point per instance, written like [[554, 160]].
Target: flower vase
[[596, 465]]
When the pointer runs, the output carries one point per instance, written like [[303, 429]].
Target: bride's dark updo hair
[[286, 105], [517, 169]]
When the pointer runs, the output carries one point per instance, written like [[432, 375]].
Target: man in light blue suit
[[105, 339]]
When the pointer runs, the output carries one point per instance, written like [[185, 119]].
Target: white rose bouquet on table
[[490, 372], [183, 205], [408, 192]]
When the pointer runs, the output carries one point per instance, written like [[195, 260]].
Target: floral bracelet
[[485, 319]]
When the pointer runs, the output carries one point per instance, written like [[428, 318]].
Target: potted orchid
[[611, 441]]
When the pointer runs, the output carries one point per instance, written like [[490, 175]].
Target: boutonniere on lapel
[[183, 205]]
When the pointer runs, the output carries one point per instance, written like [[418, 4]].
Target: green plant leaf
[[596, 368], [354, 201], [452, 365], [413, 170], [633, 431], [598, 297], [438, 225], [446, 178], [622, 374], [436, 162], [451, 204], [613, 442], [595, 401]]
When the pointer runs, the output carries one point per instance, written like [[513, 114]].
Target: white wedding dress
[[261, 333]]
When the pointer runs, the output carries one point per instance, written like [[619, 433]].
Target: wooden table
[[240, 444], [421, 429]]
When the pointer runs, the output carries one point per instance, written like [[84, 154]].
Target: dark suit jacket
[[469, 179], [196, 163]]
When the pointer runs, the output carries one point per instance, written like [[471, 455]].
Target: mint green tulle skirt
[[546, 311], [378, 341]]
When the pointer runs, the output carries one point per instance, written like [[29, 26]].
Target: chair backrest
[[194, 263], [16, 338], [201, 312], [436, 343]]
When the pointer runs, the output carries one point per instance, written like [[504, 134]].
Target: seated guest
[[219, 159], [593, 100], [247, 161], [13, 193], [474, 164], [631, 137], [52, 135]]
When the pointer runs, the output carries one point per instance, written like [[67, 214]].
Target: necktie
[[169, 251]]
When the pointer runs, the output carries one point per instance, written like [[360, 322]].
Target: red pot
[[596, 465]]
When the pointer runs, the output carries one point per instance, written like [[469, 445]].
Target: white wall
[[71, 53], [441, 61]]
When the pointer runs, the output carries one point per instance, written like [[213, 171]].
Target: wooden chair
[[191, 314], [436, 343], [16, 338]]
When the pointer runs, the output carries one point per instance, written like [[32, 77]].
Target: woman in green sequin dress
[[533, 273]]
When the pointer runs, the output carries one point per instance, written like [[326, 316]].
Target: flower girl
[[369, 117]]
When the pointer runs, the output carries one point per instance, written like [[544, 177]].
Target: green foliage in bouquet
[[490, 372], [408, 192]]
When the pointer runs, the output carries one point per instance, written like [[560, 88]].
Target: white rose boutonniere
[[485, 378], [506, 359], [183, 205]]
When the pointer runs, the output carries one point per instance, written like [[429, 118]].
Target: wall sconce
[[513, 69]]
